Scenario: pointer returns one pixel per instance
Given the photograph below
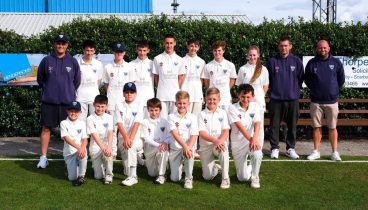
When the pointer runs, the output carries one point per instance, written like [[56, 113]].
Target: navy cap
[[130, 86], [74, 105], [118, 47], [61, 38]]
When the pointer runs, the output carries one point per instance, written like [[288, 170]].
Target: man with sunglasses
[[59, 77]]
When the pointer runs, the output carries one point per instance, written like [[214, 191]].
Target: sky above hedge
[[347, 10]]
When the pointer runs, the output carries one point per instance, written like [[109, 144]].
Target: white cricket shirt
[[168, 68], [76, 131]]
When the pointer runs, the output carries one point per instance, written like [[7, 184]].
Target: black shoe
[[81, 180]]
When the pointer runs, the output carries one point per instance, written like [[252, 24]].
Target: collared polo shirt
[[76, 131], [213, 123], [91, 73], [193, 69], [168, 68], [219, 75], [142, 69], [185, 125], [247, 118], [100, 125]]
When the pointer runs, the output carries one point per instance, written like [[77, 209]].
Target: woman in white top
[[255, 74]]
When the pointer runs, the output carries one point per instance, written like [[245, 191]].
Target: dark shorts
[[52, 114]]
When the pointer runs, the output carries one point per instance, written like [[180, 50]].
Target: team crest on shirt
[[188, 125], [106, 125], [292, 68], [186, 67], [197, 66], [51, 68], [220, 119], [332, 67], [205, 121], [211, 73], [68, 69], [177, 124], [176, 63], [161, 64], [225, 71], [149, 69], [95, 71], [162, 129], [134, 113], [251, 115], [244, 74], [239, 115], [111, 74], [125, 73], [121, 114], [149, 130], [79, 131], [315, 70], [277, 69]]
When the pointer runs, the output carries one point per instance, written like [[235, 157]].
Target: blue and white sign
[[356, 70]]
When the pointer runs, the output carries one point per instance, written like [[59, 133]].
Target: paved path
[[29, 146]]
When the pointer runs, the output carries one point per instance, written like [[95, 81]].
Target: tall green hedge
[[19, 113]]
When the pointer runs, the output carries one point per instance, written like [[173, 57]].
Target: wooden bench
[[347, 116]]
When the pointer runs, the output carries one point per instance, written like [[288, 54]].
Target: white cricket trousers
[[176, 159], [156, 161], [76, 167], [168, 107], [240, 151], [86, 110], [102, 165], [209, 169], [129, 156]]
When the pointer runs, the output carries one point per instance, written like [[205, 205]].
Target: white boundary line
[[267, 160]]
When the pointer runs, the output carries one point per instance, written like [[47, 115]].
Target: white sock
[[133, 171]]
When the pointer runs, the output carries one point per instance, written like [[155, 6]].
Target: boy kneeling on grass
[[128, 117], [73, 131], [155, 133], [214, 128], [100, 128], [184, 130], [244, 118]]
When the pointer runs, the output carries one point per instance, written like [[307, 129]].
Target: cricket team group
[[166, 131]]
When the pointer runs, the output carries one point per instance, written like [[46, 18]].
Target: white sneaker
[[275, 154], [160, 179], [314, 155], [292, 154], [225, 184], [43, 163], [188, 183], [335, 156], [130, 181], [255, 183], [108, 180]]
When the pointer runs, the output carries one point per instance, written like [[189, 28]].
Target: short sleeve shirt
[[156, 129], [168, 68], [185, 125], [91, 73], [219, 75], [247, 118], [100, 125], [213, 123], [245, 74], [142, 70], [76, 131], [193, 69], [116, 76], [128, 114]]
